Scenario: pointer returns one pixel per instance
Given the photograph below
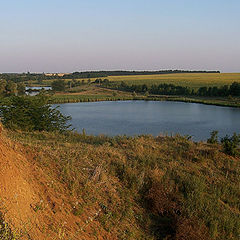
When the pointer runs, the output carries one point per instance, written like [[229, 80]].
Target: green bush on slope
[[31, 114]]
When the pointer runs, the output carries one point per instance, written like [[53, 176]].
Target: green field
[[192, 80]]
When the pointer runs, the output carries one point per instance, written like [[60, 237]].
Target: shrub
[[231, 144], [58, 85], [213, 138], [32, 113], [5, 231]]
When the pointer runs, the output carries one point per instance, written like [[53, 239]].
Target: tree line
[[171, 89], [61, 85], [97, 74], [161, 89], [23, 77]]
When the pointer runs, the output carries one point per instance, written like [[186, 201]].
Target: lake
[[152, 117], [36, 90]]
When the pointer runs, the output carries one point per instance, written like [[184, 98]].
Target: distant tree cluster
[[58, 85], [9, 88], [102, 82], [77, 75], [232, 90], [76, 83], [171, 89], [23, 77], [161, 89]]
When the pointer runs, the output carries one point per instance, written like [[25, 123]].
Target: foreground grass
[[147, 188]]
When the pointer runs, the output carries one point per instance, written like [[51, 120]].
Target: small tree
[[11, 88], [3, 84], [106, 81], [21, 88], [134, 94], [32, 113], [58, 85]]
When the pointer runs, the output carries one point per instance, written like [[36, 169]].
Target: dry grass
[[143, 187]]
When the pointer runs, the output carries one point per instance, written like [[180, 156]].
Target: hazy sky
[[76, 35]]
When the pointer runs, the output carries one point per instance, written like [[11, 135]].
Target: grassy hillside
[[135, 188]]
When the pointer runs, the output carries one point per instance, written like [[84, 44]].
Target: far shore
[[74, 98]]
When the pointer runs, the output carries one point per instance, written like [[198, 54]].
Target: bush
[[5, 231], [58, 85], [213, 138], [231, 144], [32, 113]]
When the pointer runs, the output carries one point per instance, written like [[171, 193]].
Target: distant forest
[[171, 89], [21, 77], [96, 74]]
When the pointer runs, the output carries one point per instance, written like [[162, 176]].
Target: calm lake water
[[36, 90], [149, 117]]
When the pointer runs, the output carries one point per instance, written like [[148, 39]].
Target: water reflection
[[147, 117], [33, 91]]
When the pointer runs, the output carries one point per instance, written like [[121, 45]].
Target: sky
[[79, 35]]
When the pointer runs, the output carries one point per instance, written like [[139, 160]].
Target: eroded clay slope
[[31, 205]]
